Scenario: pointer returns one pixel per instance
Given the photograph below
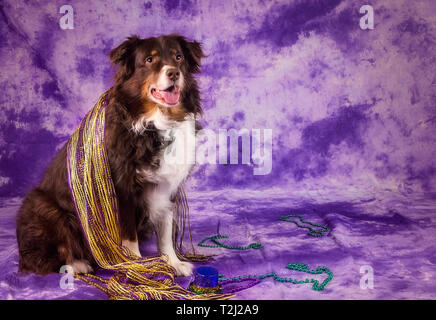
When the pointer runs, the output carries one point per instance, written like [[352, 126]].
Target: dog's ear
[[123, 56], [193, 53]]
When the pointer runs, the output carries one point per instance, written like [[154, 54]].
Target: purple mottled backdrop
[[353, 114]]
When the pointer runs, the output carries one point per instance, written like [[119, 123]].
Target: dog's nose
[[173, 74]]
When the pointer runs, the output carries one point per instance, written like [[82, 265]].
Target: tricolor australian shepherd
[[154, 91]]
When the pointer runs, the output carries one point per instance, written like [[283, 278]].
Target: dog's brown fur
[[48, 232]]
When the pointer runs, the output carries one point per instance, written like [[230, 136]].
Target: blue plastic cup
[[206, 277]]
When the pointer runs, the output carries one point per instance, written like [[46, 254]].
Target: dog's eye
[[149, 59], [178, 57]]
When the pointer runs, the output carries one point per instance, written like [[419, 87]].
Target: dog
[[154, 91]]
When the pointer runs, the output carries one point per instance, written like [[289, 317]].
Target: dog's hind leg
[[49, 237]]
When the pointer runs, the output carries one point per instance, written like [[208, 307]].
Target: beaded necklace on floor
[[218, 244], [255, 279], [312, 232], [317, 233], [292, 266]]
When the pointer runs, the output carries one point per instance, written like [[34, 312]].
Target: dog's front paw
[[81, 266], [183, 268]]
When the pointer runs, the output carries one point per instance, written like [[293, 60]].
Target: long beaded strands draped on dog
[[96, 205]]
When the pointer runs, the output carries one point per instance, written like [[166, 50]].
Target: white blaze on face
[[165, 91]]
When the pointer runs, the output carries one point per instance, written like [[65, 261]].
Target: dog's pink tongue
[[170, 97]]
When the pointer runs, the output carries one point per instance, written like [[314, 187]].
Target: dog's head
[[158, 72]]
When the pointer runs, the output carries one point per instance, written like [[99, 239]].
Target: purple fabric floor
[[391, 233]]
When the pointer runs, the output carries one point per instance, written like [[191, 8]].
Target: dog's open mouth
[[169, 96]]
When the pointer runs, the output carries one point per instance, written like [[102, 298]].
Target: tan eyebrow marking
[[153, 52]]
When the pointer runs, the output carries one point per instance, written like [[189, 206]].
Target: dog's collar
[[167, 139], [164, 137]]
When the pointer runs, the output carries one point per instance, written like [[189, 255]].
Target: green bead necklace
[[292, 266], [312, 232], [218, 244]]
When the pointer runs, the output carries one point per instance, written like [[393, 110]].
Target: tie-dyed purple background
[[353, 114]]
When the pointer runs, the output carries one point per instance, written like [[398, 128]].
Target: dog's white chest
[[177, 159]]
